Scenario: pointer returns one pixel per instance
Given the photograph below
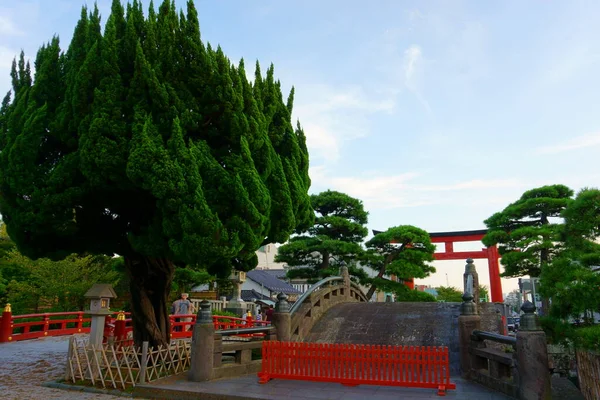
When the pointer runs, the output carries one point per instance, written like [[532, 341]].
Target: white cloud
[[580, 142], [6, 58], [472, 184], [413, 70], [380, 191], [332, 115], [7, 27]]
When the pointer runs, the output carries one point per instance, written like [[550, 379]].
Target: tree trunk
[[150, 284], [373, 287]]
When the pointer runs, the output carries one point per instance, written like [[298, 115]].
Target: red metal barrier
[[351, 364]]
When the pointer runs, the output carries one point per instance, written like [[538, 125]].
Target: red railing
[[117, 325], [351, 364]]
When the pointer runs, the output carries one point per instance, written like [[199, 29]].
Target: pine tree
[[528, 232], [403, 251], [142, 141], [335, 237]]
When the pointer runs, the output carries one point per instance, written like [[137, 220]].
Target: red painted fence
[[32, 326], [351, 364]]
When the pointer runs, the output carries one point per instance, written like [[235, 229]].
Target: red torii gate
[[491, 253]]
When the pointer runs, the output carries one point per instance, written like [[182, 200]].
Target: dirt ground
[[25, 365]]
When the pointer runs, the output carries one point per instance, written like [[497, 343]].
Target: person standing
[[183, 307], [269, 313]]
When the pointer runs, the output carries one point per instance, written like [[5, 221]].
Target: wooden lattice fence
[[122, 365]]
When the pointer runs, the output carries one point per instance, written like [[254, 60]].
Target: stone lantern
[[99, 295], [237, 305]]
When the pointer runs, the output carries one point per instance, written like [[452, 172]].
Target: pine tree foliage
[[404, 251], [528, 232], [335, 237], [144, 141]]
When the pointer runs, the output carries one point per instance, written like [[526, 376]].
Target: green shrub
[[224, 313], [414, 296], [588, 338], [557, 331]]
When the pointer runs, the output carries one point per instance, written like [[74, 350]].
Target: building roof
[[277, 273], [249, 295], [262, 277]]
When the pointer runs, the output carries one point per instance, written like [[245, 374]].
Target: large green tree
[[571, 280], [404, 251], [335, 237], [528, 232], [143, 141]]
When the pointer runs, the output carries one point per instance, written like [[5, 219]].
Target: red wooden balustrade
[[117, 325], [352, 364]]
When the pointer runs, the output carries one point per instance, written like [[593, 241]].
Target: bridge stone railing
[[522, 371], [319, 298]]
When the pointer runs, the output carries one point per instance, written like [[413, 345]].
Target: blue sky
[[435, 114]]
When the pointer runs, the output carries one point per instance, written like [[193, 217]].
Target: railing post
[[120, 324], [468, 321], [282, 319], [532, 357], [6, 325], [203, 346]]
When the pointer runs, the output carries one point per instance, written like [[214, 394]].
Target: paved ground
[[25, 365], [247, 388]]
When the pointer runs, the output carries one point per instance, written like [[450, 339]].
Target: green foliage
[[224, 313], [408, 295], [57, 285], [557, 330], [483, 293], [589, 337], [142, 141], [404, 251], [573, 287], [561, 332], [527, 238], [188, 277], [570, 281], [449, 294], [334, 237]]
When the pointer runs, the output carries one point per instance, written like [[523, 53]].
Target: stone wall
[[401, 324]]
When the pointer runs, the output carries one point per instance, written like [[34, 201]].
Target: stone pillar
[[203, 346], [468, 321], [282, 319], [532, 357], [346, 276], [471, 285]]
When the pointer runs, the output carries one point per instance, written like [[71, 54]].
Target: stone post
[[346, 276], [468, 321], [203, 346], [282, 319], [473, 283], [532, 357]]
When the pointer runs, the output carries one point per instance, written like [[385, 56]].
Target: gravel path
[[25, 365]]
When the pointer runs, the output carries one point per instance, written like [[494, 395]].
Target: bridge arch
[[318, 299]]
